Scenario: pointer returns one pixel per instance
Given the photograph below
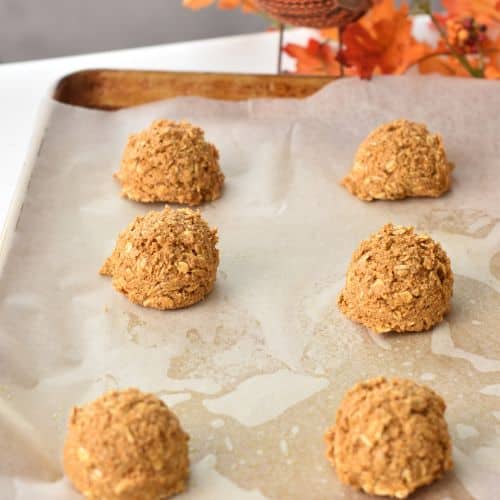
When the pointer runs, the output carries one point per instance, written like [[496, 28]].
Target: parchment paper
[[255, 372]]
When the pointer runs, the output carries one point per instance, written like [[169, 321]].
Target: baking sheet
[[257, 370]]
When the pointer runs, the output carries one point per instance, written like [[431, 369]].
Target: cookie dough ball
[[170, 162], [397, 281], [390, 437], [126, 445], [165, 260], [398, 160]]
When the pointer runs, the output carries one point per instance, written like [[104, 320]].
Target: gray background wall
[[33, 29]]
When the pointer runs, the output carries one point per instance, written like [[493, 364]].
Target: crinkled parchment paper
[[257, 370]]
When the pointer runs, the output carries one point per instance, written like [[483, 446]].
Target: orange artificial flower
[[483, 11], [382, 42], [315, 58], [443, 65], [245, 5], [197, 4], [492, 72], [492, 54], [450, 66], [331, 34]]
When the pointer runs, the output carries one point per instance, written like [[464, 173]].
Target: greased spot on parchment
[[133, 323], [266, 396], [233, 351], [474, 317], [279, 463], [466, 222], [343, 353], [495, 265], [207, 482], [442, 344], [228, 357]]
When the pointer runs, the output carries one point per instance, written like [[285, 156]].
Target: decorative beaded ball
[[315, 13]]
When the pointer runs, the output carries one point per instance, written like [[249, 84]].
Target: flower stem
[[481, 60]]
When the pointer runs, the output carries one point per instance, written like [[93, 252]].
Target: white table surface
[[23, 85]]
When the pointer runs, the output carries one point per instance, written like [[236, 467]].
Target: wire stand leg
[[341, 46], [280, 47]]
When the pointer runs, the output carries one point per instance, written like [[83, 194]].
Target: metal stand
[[280, 47], [341, 46]]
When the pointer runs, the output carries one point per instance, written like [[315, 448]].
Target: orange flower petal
[[197, 4], [314, 59], [382, 42]]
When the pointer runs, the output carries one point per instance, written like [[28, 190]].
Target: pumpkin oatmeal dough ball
[[126, 445], [165, 260], [398, 281], [399, 159], [390, 437], [170, 162]]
